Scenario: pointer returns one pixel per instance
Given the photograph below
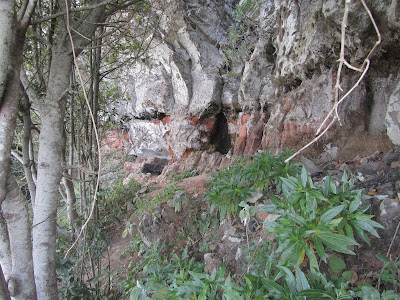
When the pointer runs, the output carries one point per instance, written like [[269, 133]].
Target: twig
[[342, 61], [252, 258], [95, 132], [394, 237]]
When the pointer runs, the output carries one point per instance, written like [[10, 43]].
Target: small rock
[[255, 196], [387, 189], [388, 208], [239, 253], [168, 214], [229, 232], [380, 167], [391, 157], [395, 165], [397, 185], [366, 170], [311, 167], [234, 239]]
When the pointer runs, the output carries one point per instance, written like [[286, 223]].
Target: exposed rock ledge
[[279, 94]]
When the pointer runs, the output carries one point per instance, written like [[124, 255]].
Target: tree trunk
[[71, 203], [50, 157], [4, 295], [6, 36], [27, 160], [15, 211], [8, 114], [68, 183]]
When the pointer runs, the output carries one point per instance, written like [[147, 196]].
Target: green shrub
[[229, 187], [191, 172], [313, 218], [113, 200]]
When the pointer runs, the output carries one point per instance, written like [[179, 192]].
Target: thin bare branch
[[342, 61], [95, 132]]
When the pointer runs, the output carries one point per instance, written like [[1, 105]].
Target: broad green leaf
[[301, 280], [369, 292], [273, 286], [330, 214], [349, 231], [290, 183], [296, 218], [316, 194], [319, 248], [382, 257], [301, 257], [367, 219], [311, 256], [360, 232], [231, 294], [289, 277], [337, 242], [268, 208], [304, 176], [337, 265], [315, 294], [354, 205], [366, 226], [344, 177], [138, 293], [347, 275]]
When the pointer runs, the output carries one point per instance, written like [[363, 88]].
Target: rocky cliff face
[[263, 77]]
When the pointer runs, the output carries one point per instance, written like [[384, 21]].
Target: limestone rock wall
[[188, 93]]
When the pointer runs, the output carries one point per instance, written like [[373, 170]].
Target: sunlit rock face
[[187, 93]]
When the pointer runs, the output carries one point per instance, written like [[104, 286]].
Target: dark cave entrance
[[220, 136]]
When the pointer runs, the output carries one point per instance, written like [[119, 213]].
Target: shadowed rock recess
[[269, 89]]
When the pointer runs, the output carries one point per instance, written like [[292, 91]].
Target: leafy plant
[[390, 274], [231, 186], [266, 170], [171, 192], [191, 172], [227, 189], [313, 218], [113, 200]]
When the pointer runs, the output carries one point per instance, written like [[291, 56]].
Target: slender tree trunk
[[15, 211], [27, 160], [8, 116], [68, 183], [71, 202], [6, 39], [50, 157], [4, 295]]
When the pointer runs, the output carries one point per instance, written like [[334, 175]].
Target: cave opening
[[220, 136]]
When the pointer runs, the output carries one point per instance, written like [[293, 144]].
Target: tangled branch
[[333, 114]]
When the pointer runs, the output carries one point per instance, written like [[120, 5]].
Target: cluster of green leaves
[[230, 186], [313, 218], [113, 200], [191, 172], [177, 277], [390, 274], [171, 192], [238, 33]]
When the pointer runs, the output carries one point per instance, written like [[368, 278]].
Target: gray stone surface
[[288, 69]]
